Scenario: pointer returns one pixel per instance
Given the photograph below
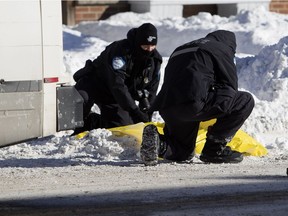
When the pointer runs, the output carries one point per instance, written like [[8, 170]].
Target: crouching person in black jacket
[[200, 84], [125, 72]]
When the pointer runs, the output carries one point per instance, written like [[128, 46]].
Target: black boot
[[150, 145], [93, 121], [162, 148], [216, 151]]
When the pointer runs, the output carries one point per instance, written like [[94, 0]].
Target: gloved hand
[[88, 68], [138, 116]]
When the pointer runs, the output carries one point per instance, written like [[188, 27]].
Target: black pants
[[181, 126], [112, 115]]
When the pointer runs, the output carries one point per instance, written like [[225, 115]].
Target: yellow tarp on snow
[[241, 142]]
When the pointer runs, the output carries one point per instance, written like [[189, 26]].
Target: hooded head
[[224, 36], [146, 35]]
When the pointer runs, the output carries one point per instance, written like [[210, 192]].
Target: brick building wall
[[99, 11], [279, 6], [75, 12]]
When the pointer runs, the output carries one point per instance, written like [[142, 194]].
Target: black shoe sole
[[219, 160], [149, 148]]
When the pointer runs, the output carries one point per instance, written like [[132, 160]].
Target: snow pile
[[253, 29], [266, 76], [97, 146]]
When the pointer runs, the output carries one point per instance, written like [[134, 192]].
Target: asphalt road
[[177, 189]]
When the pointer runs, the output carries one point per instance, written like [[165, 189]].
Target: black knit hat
[[146, 35]]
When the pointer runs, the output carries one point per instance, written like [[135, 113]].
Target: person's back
[[195, 67]]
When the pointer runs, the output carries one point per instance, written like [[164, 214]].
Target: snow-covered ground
[[50, 166]]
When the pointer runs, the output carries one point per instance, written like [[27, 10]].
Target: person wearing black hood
[[200, 84], [126, 71]]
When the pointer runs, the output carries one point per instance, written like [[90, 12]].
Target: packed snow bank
[[253, 29], [266, 76]]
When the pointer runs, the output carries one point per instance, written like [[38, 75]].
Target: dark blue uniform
[[115, 80]]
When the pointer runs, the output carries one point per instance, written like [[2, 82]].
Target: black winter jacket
[[118, 73], [197, 68]]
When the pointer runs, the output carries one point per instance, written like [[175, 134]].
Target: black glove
[[88, 68], [138, 116]]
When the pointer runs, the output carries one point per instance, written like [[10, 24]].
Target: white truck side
[[30, 71]]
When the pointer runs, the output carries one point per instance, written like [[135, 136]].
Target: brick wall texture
[[98, 11], [279, 6]]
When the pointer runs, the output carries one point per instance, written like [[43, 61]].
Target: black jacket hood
[[226, 37]]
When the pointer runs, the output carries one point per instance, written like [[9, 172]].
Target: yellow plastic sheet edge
[[241, 142]]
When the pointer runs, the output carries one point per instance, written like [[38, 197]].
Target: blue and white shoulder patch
[[118, 63]]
